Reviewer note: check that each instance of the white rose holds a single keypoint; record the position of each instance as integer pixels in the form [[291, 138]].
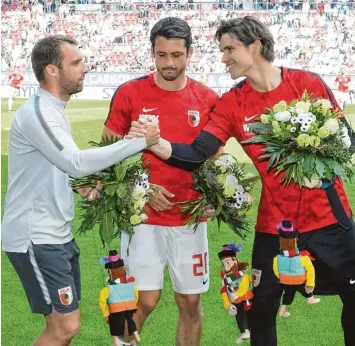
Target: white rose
[[282, 116], [345, 138], [231, 180], [325, 103], [302, 106], [144, 217], [248, 198], [332, 125], [138, 192]]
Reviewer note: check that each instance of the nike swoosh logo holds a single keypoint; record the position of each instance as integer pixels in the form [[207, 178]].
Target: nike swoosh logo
[[204, 282], [352, 282], [149, 109], [250, 118]]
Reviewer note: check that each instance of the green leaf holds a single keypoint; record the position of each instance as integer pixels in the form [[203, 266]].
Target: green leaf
[[132, 160], [120, 171], [308, 165], [121, 190], [220, 205], [320, 167], [110, 189], [256, 139], [106, 228]]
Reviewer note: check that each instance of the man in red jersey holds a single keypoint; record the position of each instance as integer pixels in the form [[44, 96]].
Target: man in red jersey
[[15, 80], [322, 215], [182, 106], [343, 81]]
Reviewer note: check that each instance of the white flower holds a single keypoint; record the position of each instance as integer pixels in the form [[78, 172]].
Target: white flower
[[293, 129], [282, 116], [302, 107], [223, 161], [248, 198], [345, 138], [313, 183], [325, 103], [143, 176], [144, 217], [294, 120], [332, 125], [138, 192], [231, 180]]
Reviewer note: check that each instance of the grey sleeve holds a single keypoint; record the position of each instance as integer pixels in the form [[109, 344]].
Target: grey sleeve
[[48, 137]]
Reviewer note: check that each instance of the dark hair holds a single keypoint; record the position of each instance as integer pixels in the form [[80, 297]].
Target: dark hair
[[172, 28], [48, 51], [248, 30]]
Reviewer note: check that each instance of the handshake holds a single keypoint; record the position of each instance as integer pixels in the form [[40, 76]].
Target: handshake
[[144, 128]]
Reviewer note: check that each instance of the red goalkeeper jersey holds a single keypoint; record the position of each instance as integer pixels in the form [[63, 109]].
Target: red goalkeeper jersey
[[182, 115], [308, 209]]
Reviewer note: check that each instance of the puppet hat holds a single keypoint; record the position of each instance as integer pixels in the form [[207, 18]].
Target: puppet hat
[[286, 230], [112, 261], [229, 250]]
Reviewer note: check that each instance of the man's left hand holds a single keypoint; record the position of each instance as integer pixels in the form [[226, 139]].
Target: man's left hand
[[90, 193]]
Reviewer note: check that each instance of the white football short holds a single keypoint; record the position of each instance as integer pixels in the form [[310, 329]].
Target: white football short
[[13, 92], [343, 98], [185, 253]]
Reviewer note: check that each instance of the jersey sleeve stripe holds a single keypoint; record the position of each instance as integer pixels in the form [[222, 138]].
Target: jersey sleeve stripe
[[45, 126]]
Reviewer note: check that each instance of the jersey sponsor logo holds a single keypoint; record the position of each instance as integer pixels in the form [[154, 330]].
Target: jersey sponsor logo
[[255, 277], [65, 295], [149, 117], [250, 118], [204, 282], [193, 118], [145, 110]]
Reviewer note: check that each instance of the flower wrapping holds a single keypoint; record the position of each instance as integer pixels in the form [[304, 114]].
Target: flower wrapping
[[305, 140], [222, 182], [124, 194]]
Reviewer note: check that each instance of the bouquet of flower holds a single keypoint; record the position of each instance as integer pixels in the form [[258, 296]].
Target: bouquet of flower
[[306, 140], [222, 182], [124, 193]]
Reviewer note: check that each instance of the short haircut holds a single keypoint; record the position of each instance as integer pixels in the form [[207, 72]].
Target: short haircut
[[172, 28], [247, 30], [48, 51]]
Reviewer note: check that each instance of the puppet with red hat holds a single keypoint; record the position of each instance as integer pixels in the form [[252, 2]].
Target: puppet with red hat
[[118, 300], [293, 268]]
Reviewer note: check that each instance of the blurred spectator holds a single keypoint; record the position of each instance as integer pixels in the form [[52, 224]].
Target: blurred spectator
[[119, 41]]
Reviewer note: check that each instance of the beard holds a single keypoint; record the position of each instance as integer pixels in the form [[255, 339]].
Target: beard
[[70, 87], [233, 270], [172, 76]]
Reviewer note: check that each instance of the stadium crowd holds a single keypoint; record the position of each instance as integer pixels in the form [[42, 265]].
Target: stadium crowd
[[321, 40]]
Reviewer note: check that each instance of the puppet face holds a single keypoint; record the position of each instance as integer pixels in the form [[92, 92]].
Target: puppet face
[[230, 264], [117, 273], [288, 244]]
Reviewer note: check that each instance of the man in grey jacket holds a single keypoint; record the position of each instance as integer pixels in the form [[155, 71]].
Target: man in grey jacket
[[39, 205]]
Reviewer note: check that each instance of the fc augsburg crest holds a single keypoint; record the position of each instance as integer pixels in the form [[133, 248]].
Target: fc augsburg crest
[[193, 118]]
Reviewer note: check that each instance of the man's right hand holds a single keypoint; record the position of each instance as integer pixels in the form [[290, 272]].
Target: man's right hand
[[232, 310], [158, 198], [138, 129], [153, 135]]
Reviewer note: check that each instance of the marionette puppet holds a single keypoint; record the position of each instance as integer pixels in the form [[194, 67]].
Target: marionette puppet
[[293, 268], [118, 300], [237, 288]]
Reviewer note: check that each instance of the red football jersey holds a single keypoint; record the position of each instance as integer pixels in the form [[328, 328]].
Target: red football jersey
[[343, 83], [182, 115], [307, 209], [16, 80]]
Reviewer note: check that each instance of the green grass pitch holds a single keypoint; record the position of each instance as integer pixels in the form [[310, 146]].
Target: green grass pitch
[[317, 325]]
